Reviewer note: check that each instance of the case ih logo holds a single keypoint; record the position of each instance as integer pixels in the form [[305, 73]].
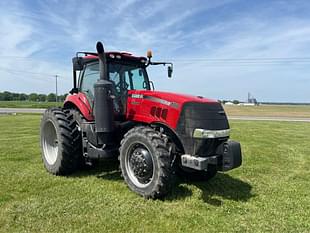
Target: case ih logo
[[136, 96], [155, 99]]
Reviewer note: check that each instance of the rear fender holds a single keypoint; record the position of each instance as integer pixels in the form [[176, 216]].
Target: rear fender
[[80, 102]]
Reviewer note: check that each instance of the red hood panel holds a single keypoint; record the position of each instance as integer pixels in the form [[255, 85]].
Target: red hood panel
[[173, 97], [156, 106]]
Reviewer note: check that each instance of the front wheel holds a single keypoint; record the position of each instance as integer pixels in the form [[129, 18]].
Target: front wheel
[[145, 162]]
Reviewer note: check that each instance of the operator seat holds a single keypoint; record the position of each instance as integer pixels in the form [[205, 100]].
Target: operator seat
[[118, 103]]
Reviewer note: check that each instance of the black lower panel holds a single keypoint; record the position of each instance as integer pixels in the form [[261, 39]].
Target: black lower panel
[[231, 157], [194, 115], [226, 157]]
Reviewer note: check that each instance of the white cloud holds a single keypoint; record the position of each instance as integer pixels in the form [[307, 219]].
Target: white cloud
[[50, 33], [19, 70]]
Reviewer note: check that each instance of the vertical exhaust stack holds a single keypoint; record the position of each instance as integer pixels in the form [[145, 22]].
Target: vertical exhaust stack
[[103, 105]]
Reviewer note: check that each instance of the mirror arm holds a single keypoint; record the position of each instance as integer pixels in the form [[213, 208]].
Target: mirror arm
[[171, 64], [160, 63], [152, 85]]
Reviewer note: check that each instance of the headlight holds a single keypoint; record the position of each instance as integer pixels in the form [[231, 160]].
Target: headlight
[[204, 133]]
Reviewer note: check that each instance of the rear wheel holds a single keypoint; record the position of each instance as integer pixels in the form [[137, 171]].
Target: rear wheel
[[145, 162], [79, 119], [60, 141]]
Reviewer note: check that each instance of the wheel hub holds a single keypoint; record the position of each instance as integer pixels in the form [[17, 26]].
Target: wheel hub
[[141, 165]]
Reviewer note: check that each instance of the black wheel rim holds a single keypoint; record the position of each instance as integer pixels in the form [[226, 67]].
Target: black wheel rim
[[139, 165]]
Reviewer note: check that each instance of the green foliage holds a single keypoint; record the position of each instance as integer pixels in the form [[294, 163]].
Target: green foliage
[[33, 97], [28, 104], [269, 193], [6, 96], [42, 97], [51, 97], [22, 97]]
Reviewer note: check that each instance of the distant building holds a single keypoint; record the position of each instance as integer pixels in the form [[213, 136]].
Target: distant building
[[251, 100]]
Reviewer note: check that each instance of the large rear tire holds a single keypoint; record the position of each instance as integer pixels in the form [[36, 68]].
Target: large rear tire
[[145, 162], [79, 119], [60, 142], [84, 163]]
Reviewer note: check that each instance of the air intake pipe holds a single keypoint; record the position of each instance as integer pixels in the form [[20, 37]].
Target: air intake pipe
[[103, 103]]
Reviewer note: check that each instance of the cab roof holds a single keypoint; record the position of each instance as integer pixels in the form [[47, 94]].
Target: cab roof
[[88, 56]]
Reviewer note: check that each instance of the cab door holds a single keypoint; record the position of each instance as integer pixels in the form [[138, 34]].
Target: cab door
[[88, 78]]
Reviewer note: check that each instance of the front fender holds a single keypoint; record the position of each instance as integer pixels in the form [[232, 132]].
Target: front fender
[[80, 102]]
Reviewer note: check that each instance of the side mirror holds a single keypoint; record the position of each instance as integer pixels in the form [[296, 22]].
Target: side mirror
[[170, 70], [78, 63]]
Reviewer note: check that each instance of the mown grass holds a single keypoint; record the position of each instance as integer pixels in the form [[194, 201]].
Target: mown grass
[[302, 111], [269, 193], [28, 104]]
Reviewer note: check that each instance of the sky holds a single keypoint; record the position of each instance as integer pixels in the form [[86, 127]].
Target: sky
[[220, 49]]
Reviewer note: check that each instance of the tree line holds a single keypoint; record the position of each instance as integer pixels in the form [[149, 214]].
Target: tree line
[[35, 97]]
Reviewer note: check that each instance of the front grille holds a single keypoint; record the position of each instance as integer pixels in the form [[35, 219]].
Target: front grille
[[209, 116]]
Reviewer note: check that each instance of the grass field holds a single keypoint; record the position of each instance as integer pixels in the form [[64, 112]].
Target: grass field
[[269, 193], [302, 111]]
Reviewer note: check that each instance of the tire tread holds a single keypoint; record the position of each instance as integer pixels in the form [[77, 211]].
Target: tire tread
[[163, 184]]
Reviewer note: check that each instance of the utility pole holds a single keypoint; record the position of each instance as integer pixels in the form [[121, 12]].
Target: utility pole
[[56, 76]]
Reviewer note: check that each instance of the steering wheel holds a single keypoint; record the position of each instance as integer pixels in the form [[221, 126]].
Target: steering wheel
[[126, 85]]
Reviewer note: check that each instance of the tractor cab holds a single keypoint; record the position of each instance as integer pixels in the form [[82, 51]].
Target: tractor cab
[[124, 71]]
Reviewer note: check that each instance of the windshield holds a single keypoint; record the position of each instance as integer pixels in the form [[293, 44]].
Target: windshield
[[123, 76], [128, 77]]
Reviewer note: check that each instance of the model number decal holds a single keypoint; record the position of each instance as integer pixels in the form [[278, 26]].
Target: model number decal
[[162, 101]]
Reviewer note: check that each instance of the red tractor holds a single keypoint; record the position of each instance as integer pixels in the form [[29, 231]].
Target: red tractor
[[112, 110]]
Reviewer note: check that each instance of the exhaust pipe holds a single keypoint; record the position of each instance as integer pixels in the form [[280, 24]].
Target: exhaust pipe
[[103, 103], [102, 61]]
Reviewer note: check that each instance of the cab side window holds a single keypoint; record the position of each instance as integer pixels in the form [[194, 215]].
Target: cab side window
[[90, 77], [135, 79], [114, 77]]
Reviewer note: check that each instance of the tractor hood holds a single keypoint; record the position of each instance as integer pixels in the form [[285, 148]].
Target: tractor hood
[[167, 108], [182, 113], [166, 98]]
